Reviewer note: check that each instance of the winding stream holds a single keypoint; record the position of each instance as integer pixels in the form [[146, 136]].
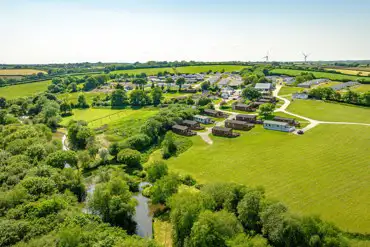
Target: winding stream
[[142, 216]]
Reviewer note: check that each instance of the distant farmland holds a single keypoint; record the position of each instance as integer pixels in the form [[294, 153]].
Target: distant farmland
[[185, 69], [19, 72], [23, 90], [351, 72], [327, 75]]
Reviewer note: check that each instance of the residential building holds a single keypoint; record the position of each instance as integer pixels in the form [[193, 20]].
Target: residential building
[[194, 125], [299, 96], [183, 130], [238, 125], [279, 126], [225, 132], [203, 119], [290, 121], [263, 87], [246, 118]]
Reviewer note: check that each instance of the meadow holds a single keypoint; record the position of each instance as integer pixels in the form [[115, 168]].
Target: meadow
[[73, 97], [327, 75], [185, 69], [351, 72], [290, 90], [323, 172], [361, 88], [19, 72], [336, 112], [24, 90]]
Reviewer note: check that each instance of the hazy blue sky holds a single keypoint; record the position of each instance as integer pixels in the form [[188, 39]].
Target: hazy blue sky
[[50, 31]]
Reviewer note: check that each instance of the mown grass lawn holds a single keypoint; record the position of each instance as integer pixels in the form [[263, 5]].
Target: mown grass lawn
[[327, 75], [290, 90], [24, 90], [324, 111], [323, 172]]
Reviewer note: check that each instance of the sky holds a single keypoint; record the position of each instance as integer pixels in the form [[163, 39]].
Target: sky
[[63, 31]]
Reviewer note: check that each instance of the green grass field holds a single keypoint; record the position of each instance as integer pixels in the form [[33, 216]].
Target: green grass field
[[206, 68], [185, 69], [323, 172], [290, 90], [320, 110], [350, 72], [330, 76], [24, 90], [20, 72], [329, 84], [362, 88], [72, 97]]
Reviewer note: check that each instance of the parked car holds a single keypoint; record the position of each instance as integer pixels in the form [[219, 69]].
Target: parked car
[[300, 132]]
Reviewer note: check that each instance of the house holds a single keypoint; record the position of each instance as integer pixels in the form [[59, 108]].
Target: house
[[263, 87], [271, 99], [225, 132], [279, 126], [238, 125], [194, 125], [290, 121], [308, 84], [264, 101], [257, 104], [214, 113], [299, 96], [246, 118], [345, 85], [183, 130], [243, 107], [203, 119]]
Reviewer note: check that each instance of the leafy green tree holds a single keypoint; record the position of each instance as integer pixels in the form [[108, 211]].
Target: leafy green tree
[[119, 98], [38, 186], [249, 208], [204, 101], [251, 93], [169, 82], [36, 152], [129, 157], [156, 170], [157, 95], [66, 108], [205, 85], [72, 87], [58, 159], [214, 229], [169, 147], [139, 82], [2, 102], [242, 240], [139, 98], [266, 110], [164, 187], [81, 101], [114, 203], [90, 84], [180, 81], [79, 135]]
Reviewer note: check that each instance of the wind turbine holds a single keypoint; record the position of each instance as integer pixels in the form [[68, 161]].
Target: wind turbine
[[266, 57], [305, 56]]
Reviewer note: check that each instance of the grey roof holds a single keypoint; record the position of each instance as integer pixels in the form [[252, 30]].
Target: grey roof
[[274, 122], [242, 105], [277, 118], [201, 117], [247, 116], [222, 128], [210, 111], [313, 82], [238, 122], [190, 122], [179, 127], [263, 86], [345, 85]]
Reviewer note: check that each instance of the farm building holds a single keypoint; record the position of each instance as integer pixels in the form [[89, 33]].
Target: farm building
[[290, 121], [183, 130], [246, 118], [194, 125], [214, 113], [299, 96], [263, 87], [225, 132], [279, 126], [203, 119], [308, 84], [289, 80], [243, 107], [238, 125], [345, 85]]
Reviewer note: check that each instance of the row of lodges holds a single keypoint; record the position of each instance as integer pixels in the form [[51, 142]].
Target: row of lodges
[[253, 106], [241, 122], [187, 128]]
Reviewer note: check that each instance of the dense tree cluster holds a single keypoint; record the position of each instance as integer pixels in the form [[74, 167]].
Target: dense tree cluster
[[70, 83], [350, 97]]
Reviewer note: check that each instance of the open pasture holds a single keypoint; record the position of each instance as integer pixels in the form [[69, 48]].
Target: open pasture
[[24, 90], [361, 88], [335, 112], [19, 72], [290, 90], [206, 68], [323, 172], [73, 97], [351, 72], [327, 75], [149, 71]]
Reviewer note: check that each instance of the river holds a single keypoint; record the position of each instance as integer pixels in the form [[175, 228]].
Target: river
[[142, 216]]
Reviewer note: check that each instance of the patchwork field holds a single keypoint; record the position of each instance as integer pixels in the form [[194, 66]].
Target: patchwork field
[[320, 110], [23, 90], [351, 72], [18, 72], [323, 172], [185, 69], [330, 76]]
